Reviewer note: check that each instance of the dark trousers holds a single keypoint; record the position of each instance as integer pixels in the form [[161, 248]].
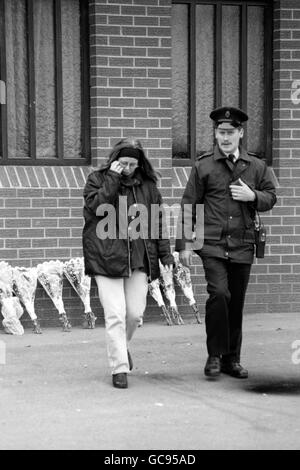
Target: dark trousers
[[226, 285]]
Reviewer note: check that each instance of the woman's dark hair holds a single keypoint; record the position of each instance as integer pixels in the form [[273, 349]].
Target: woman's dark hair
[[144, 167]]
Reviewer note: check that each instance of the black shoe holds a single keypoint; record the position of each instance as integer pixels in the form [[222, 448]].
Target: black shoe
[[130, 363], [120, 380], [234, 369], [212, 366]]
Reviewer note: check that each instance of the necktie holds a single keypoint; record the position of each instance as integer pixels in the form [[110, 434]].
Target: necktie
[[231, 157]]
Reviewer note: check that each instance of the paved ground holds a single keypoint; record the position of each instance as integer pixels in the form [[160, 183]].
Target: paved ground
[[56, 391]]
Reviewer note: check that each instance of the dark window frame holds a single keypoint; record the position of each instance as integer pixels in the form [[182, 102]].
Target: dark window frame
[[33, 160], [268, 51]]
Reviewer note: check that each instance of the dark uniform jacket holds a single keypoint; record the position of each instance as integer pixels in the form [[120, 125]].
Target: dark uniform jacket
[[111, 256], [228, 224]]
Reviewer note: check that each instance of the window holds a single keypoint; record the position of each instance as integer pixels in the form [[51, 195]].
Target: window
[[44, 82], [222, 55]]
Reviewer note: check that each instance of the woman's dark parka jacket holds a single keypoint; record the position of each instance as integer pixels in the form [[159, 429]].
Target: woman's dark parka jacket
[[111, 256]]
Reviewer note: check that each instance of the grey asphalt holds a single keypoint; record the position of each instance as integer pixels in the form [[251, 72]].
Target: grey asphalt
[[56, 392]]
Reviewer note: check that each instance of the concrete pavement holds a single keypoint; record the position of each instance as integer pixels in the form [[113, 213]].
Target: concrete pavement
[[56, 393]]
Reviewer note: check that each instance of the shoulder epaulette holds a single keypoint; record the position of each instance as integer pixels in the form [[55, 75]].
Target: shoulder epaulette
[[253, 154], [204, 154]]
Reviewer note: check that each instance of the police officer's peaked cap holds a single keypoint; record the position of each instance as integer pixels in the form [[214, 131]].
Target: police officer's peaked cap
[[233, 116]]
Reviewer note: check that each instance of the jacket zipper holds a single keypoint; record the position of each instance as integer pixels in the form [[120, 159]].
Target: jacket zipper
[[128, 248], [128, 245], [147, 254]]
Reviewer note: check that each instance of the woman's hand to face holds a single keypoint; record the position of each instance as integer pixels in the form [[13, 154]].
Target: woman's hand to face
[[116, 167]]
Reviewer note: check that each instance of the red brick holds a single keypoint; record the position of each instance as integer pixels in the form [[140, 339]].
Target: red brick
[[147, 42], [280, 268], [57, 212], [70, 202], [45, 243], [5, 255], [57, 253], [100, 8], [69, 242], [8, 233], [71, 222], [17, 223], [31, 253], [44, 202], [31, 233], [58, 232], [146, 21], [133, 10]]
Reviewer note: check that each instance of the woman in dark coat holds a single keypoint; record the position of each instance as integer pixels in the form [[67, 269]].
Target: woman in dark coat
[[124, 237]]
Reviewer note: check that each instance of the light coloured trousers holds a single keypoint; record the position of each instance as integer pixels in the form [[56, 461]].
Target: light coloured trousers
[[124, 302]]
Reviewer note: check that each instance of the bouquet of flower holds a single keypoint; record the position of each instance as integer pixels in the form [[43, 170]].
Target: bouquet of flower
[[155, 292], [74, 272], [12, 311], [182, 278], [10, 306], [50, 276], [24, 287], [6, 275], [167, 283]]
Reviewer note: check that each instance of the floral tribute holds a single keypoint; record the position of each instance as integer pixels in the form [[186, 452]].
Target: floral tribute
[[182, 277], [81, 283], [11, 308], [18, 287], [24, 287], [50, 276], [155, 292], [167, 282]]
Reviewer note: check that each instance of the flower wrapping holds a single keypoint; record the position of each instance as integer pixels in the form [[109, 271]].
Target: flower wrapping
[[155, 292], [167, 283], [182, 276], [24, 286], [74, 272], [6, 277], [50, 276], [11, 310]]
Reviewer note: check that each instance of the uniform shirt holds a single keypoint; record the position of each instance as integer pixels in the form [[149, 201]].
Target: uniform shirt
[[236, 154]]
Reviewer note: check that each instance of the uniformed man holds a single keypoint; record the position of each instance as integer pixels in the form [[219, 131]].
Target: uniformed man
[[231, 183]]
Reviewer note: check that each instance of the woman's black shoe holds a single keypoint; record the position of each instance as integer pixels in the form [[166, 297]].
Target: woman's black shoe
[[120, 380]]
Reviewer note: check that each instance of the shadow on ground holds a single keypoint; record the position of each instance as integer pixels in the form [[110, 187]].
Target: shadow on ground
[[275, 385]]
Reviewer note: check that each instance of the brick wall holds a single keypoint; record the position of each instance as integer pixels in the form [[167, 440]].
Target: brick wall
[[283, 271]]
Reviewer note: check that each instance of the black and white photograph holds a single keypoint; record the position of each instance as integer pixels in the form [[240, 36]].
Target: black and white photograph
[[150, 227]]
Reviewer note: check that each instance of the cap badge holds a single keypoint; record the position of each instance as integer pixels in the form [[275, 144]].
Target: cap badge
[[227, 114]]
